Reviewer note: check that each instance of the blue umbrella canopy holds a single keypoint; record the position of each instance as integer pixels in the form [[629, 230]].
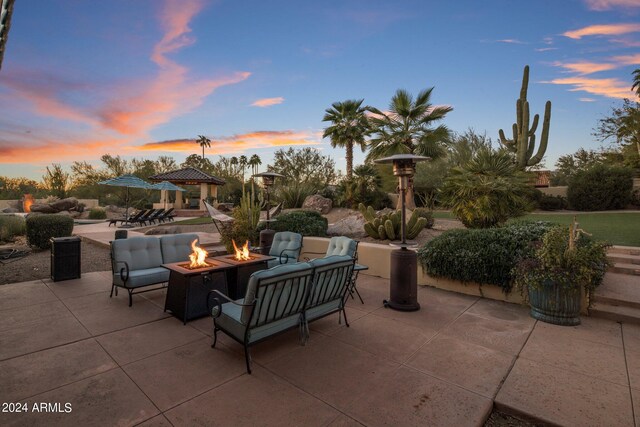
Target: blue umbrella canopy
[[166, 185], [129, 181]]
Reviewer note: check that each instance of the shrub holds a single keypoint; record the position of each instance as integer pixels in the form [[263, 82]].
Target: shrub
[[485, 256], [10, 227], [552, 203], [601, 187], [635, 198], [425, 213], [307, 223], [97, 213], [41, 228], [293, 195]]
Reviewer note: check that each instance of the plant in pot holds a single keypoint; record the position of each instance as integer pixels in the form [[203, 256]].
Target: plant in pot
[[554, 273]]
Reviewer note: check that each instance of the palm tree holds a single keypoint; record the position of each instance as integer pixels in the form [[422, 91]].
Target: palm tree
[[636, 81], [203, 141], [349, 127], [255, 163], [407, 129]]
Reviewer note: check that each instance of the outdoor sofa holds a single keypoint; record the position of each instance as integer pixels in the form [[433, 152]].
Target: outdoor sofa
[[136, 262]]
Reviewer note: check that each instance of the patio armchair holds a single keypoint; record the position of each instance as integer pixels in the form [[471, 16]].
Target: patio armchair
[[273, 303], [285, 247]]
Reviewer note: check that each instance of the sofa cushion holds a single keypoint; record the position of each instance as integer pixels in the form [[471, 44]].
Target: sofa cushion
[[342, 246], [292, 279], [177, 247], [145, 277], [285, 247], [139, 252]]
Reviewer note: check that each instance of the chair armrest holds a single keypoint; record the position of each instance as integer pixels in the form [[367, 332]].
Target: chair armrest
[[216, 310], [286, 257], [124, 272]]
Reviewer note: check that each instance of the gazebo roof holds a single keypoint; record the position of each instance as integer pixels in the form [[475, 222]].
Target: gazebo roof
[[187, 176]]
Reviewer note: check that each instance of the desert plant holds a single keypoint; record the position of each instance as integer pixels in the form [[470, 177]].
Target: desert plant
[[487, 190], [485, 256], [97, 213], [307, 223], [600, 187], [42, 227], [293, 194], [524, 137], [11, 226], [426, 214], [245, 224], [388, 226]]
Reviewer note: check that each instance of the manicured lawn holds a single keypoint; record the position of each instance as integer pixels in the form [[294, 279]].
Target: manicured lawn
[[195, 221]]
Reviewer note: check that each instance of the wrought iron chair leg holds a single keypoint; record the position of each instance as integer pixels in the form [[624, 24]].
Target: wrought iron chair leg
[[111, 294], [344, 313], [247, 358], [130, 297], [357, 293], [215, 337]]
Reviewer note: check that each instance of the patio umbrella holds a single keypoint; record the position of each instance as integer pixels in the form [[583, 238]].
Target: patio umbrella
[[128, 181], [166, 185]]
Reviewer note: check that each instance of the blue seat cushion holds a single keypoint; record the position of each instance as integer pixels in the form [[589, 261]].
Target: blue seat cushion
[[230, 321], [148, 276], [342, 246]]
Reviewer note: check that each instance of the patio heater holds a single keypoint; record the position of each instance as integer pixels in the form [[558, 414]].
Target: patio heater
[[404, 262], [266, 235]]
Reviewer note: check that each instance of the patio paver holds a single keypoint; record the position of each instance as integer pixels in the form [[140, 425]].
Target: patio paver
[[23, 294]]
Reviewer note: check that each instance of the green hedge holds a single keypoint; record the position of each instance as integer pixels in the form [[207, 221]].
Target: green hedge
[[485, 256], [307, 223], [42, 227], [10, 227], [600, 188], [97, 213]]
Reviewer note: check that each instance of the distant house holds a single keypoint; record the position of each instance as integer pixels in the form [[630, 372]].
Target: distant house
[[542, 179]]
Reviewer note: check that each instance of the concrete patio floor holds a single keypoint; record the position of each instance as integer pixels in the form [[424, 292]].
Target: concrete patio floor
[[447, 364]]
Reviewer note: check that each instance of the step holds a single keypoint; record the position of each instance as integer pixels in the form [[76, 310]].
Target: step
[[624, 268], [616, 313], [619, 289], [628, 250], [624, 258]]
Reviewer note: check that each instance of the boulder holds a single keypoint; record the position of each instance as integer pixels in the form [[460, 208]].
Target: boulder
[[318, 203], [68, 204], [164, 230], [351, 226], [10, 210], [43, 208]]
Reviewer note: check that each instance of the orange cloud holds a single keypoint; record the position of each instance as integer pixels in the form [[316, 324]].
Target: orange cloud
[[237, 143], [603, 30], [611, 88], [45, 150], [268, 102], [610, 4], [585, 67], [628, 59]]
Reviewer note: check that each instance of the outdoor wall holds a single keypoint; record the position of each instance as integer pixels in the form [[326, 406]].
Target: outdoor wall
[[562, 191], [377, 258], [89, 203]]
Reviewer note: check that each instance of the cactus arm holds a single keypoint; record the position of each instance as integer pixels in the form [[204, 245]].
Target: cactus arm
[[525, 83], [534, 125], [388, 228], [381, 233], [503, 140], [544, 137], [523, 126], [368, 228], [531, 147], [413, 232]]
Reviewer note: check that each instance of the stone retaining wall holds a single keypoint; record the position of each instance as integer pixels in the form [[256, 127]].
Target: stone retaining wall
[[89, 203]]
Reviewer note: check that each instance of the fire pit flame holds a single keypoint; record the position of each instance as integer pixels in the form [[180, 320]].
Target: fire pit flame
[[243, 253], [198, 256]]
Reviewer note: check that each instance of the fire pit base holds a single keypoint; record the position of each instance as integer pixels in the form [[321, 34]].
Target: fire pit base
[[403, 281]]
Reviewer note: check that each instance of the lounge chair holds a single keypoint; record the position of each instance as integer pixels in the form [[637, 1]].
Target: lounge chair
[[154, 217], [131, 220], [218, 218], [166, 216], [144, 218]]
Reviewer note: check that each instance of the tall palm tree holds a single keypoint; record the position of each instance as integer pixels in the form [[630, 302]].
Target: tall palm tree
[[407, 128], [636, 81], [203, 141], [349, 126], [255, 163]]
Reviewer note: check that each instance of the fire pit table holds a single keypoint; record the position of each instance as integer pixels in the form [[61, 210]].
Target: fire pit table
[[238, 276], [189, 286]]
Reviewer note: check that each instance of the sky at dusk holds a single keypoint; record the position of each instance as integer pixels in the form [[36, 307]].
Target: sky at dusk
[[143, 78]]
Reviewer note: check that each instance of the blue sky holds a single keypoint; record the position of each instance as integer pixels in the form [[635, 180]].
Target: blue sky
[[144, 78]]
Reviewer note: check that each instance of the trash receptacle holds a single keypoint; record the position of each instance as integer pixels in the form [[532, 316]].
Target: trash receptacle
[[65, 258]]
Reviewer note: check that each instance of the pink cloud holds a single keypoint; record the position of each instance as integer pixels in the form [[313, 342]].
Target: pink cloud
[[268, 102], [628, 59], [585, 67], [611, 4], [237, 143], [603, 30], [610, 88]]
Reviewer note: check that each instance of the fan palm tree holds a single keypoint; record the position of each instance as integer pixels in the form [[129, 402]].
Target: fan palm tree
[[407, 128], [636, 81], [203, 141], [254, 162], [349, 126]]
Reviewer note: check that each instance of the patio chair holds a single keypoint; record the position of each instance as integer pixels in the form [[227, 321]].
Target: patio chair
[[154, 217], [285, 247], [218, 218], [130, 220], [166, 216], [144, 218]]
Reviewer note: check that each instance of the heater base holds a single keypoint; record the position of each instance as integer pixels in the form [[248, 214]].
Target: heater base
[[403, 281]]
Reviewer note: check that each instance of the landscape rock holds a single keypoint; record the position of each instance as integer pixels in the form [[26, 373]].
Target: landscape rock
[[68, 204], [10, 210], [43, 208], [318, 203], [163, 230], [351, 226]]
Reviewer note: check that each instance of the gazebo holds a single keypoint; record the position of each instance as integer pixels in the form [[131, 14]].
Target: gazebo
[[189, 176]]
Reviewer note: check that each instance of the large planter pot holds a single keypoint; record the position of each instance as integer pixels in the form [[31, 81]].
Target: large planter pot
[[553, 304]]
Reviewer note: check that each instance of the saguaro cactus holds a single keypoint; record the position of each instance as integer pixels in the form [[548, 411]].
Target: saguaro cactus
[[524, 138]]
